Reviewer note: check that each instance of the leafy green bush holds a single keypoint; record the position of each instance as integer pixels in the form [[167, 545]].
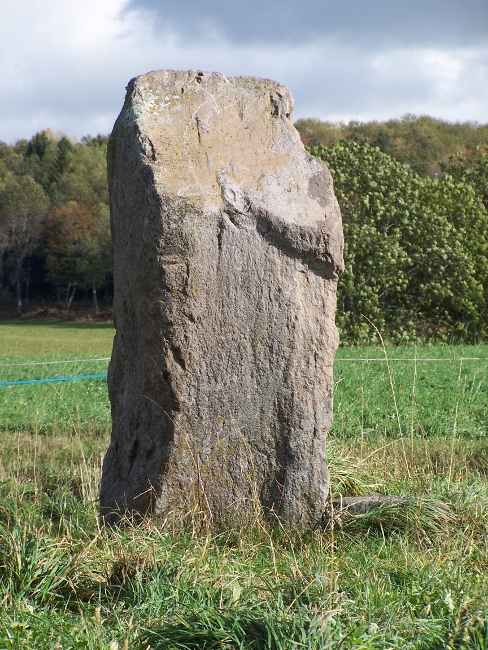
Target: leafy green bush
[[415, 248]]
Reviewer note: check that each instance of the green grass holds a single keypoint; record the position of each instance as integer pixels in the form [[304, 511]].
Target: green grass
[[411, 397], [60, 407], [66, 584], [25, 339], [400, 578]]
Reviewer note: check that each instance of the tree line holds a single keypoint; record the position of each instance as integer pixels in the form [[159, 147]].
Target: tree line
[[54, 220], [423, 142], [414, 200]]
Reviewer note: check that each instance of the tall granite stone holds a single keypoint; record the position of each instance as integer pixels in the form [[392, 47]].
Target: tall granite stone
[[228, 247]]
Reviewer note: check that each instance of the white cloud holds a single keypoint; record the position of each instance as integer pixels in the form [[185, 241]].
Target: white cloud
[[442, 83], [64, 65]]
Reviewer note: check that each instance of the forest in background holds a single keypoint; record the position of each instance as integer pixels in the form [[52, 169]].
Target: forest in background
[[55, 240], [413, 194], [423, 142]]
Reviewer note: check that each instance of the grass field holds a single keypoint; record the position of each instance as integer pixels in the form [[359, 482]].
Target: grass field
[[406, 577], [423, 391], [24, 339], [46, 350]]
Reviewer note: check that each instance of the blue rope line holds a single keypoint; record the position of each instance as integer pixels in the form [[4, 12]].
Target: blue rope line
[[43, 381], [53, 379]]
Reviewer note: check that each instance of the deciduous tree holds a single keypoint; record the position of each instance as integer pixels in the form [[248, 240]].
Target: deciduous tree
[[23, 207], [416, 249], [78, 248]]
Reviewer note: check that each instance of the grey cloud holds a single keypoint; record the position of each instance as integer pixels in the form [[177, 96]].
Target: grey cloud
[[331, 77], [451, 23]]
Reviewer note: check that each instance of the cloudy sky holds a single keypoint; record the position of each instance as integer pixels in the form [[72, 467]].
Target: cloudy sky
[[64, 64]]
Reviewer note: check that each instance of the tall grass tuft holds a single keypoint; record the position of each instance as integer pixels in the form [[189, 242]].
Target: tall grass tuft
[[410, 575]]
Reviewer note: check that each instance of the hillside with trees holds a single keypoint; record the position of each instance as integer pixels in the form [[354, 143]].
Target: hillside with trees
[[423, 142], [414, 199]]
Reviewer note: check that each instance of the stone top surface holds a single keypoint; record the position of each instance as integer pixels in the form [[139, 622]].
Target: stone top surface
[[192, 126]]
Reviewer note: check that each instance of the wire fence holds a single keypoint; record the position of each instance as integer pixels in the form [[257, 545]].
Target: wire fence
[[48, 363], [414, 359], [430, 395], [20, 382], [338, 360]]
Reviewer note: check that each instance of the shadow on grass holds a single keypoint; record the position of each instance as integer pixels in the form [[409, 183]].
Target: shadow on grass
[[57, 324], [239, 629]]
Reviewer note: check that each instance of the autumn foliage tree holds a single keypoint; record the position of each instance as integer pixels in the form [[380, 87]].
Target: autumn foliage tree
[[78, 248]]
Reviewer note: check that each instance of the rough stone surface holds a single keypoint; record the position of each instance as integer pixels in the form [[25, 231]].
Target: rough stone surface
[[228, 247]]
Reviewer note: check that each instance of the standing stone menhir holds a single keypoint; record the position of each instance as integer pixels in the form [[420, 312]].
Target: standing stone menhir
[[228, 246]]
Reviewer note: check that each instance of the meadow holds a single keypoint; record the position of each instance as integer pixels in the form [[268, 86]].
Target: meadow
[[410, 575]]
